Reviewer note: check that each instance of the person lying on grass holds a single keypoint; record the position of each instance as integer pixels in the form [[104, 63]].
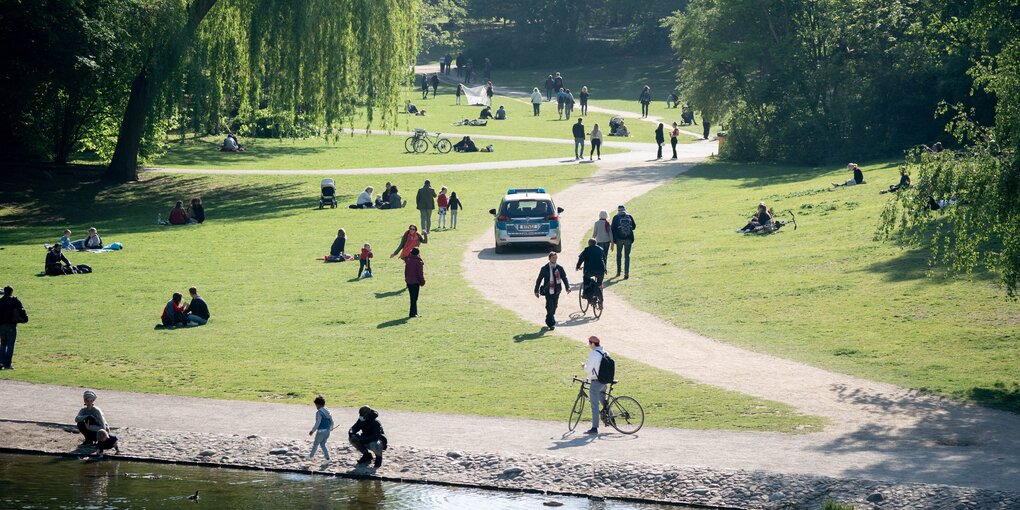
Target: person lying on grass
[[760, 219], [858, 177]]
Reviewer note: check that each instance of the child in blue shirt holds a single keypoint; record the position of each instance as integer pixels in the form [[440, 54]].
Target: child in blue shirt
[[323, 426]]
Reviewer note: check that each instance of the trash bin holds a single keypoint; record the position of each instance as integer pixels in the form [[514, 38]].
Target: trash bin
[[722, 139]]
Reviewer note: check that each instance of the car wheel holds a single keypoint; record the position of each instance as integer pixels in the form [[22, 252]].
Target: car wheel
[[500, 248], [557, 247]]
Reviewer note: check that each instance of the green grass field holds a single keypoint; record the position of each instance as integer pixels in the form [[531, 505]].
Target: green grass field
[[826, 294], [347, 151], [619, 78], [286, 326]]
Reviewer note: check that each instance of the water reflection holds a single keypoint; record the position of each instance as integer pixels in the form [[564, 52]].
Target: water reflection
[[30, 482]]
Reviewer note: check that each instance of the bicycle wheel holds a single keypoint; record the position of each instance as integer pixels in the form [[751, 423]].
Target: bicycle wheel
[[444, 146], [596, 306], [581, 301], [421, 146], [577, 411], [409, 144], [626, 415]]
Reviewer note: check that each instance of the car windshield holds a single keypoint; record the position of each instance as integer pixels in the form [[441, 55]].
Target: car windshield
[[527, 208]]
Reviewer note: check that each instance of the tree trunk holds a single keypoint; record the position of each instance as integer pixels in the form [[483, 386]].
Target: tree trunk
[[124, 165]]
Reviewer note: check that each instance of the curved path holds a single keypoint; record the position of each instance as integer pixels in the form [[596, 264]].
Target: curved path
[[876, 431]]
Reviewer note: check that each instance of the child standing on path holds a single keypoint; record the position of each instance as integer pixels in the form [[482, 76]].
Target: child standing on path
[[365, 261], [443, 203], [455, 206], [321, 429]]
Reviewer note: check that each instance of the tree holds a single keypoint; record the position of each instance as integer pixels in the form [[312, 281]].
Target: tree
[[319, 60]]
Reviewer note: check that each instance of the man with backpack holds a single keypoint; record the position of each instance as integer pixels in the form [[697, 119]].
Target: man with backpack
[[12, 313], [623, 227], [600, 370]]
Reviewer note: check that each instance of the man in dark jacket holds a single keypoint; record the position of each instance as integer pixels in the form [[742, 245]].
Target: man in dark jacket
[[623, 227], [414, 277], [426, 203], [12, 313], [198, 309], [552, 279], [56, 263], [578, 139], [549, 86], [367, 435], [592, 260], [435, 84]]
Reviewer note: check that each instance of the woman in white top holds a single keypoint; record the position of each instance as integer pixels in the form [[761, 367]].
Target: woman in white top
[[603, 234], [596, 142], [364, 199], [536, 100]]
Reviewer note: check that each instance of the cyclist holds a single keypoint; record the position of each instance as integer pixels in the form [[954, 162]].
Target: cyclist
[[594, 262], [596, 390]]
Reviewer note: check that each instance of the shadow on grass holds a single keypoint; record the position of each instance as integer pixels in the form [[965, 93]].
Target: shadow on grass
[[997, 397], [763, 174], [523, 337], [383, 295], [912, 264], [81, 200], [208, 154], [394, 322]]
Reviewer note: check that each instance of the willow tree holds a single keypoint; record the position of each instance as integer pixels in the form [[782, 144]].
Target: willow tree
[[320, 60]]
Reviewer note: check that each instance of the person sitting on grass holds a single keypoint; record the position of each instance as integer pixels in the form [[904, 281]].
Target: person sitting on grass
[[197, 310], [65, 241], [337, 249], [367, 435], [178, 216], [760, 219], [903, 184], [196, 212], [395, 200], [92, 241], [413, 110], [56, 263], [364, 199], [486, 113], [173, 312], [93, 426], [501, 113], [858, 177], [465, 145], [230, 144]]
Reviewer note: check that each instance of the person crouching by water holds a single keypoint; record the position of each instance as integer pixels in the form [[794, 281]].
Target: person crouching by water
[[323, 426], [367, 436], [92, 424]]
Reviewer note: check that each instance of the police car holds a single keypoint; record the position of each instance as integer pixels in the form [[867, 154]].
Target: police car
[[527, 216]]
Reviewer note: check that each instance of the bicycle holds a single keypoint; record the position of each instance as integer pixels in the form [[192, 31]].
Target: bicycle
[[419, 142], [590, 296], [623, 413]]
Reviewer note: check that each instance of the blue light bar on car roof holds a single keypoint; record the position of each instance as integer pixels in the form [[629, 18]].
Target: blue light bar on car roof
[[513, 191]]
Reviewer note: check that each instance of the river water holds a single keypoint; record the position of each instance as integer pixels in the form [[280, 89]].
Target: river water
[[33, 481]]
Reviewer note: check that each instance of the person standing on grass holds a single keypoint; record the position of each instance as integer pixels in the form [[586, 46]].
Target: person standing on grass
[[426, 203], [561, 99], [414, 277], [460, 90], [568, 104], [424, 86], [93, 426], [596, 389], [550, 85], [197, 310], [623, 227], [552, 280], [602, 232], [12, 313], [596, 142], [323, 426], [646, 99], [409, 241], [660, 140], [536, 101], [435, 85], [578, 139], [673, 135], [584, 100], [365, 261], [488, 93], [443, 203], [455, 206]]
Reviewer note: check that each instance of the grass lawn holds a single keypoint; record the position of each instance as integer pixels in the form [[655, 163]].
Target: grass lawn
[[616, 78], [826, 294], [348, 151], [285, 326]]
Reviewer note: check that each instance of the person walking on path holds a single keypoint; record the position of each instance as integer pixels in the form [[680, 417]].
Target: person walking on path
[[561, 99], [449, 63], [645, 99], [578, 139], [596, 142], [460, 65], [568, 104], [602, 232], [673, 135], [596, 389], [584, 100], [552, 280], [558, 82], [323, 426], [409, 241], [94, 427], [455, 206], [12, 313], [550, 85], [424, 86], [623, 227], [660, 140], [435, 85], [426, 203], [197, 310], [536, 101], [442, 64], [367, 435], [414, 277]]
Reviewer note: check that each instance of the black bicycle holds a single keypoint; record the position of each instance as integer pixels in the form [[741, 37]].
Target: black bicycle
[[420, 141], [590, 297], [623, 413]]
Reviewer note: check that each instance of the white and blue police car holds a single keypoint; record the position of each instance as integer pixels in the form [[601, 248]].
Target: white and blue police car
[[527, 216]]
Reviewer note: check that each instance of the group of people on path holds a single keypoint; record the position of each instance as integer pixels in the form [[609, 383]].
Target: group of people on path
[[579, 137]]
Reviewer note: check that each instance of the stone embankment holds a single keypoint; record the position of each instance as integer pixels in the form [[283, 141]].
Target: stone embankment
[[533, 473]]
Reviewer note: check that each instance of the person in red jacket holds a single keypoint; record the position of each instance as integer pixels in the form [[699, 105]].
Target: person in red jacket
[[414, 276], [178, 215]]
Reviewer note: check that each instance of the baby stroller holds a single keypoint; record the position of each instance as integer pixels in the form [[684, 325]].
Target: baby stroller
[[328, 194]]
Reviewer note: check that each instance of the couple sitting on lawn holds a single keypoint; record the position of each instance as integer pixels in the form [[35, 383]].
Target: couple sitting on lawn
[[390, 199], [91, 242], [195, 213], [195, 313]]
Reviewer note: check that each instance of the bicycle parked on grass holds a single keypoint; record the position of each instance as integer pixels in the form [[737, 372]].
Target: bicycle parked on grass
[[590, 297], [420, 141], [623, 413]]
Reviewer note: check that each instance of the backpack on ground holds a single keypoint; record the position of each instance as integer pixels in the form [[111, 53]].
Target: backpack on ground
[[626, 226], [607, 369]]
